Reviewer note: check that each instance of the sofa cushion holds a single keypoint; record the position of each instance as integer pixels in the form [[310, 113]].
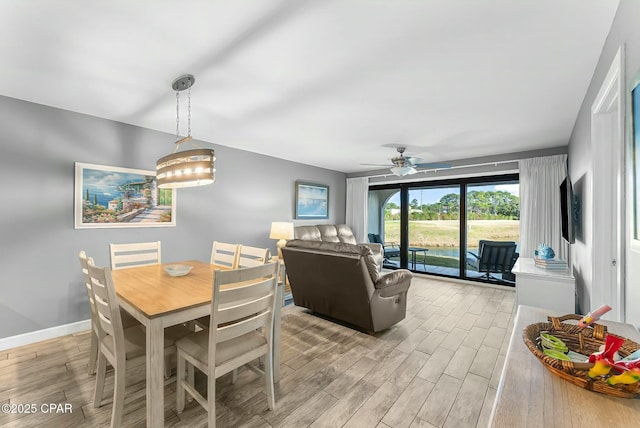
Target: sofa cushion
[[308, 233], [345, 234], [328, 232], [336, 247]]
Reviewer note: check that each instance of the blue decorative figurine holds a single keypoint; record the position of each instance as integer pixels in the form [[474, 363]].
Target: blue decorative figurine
[[544, 252]]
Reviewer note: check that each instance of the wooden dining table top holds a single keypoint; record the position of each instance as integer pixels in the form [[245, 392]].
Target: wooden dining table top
[[155, 293]]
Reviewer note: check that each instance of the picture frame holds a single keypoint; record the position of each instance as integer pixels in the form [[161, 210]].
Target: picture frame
[[634, 136], [311, 201], [115, 197]]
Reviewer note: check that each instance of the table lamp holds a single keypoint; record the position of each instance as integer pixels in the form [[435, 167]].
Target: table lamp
[[281, 230]]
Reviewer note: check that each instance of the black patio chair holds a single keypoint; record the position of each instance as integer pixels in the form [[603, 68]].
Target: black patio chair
[[494, 257], [391, 249]]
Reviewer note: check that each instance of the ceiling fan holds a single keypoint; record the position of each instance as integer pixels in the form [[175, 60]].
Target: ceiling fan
[[406, 165]]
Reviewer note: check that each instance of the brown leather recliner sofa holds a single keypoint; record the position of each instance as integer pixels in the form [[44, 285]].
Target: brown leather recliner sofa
[[343, 281]]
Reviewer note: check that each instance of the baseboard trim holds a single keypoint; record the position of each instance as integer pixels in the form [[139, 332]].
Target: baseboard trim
[[40, 335]]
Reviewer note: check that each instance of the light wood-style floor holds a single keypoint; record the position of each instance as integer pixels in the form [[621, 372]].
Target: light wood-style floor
[[438, 368]]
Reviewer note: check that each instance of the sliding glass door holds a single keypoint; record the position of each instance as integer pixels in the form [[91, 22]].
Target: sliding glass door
[[493, 220], [441, 227], [434, 230]]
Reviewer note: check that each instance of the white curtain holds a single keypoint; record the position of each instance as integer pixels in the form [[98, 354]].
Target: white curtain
[[540, 218], [357, 204]]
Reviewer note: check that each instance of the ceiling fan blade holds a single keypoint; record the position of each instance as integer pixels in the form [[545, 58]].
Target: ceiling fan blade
[[377, 164], [434, 165], [413, 159]]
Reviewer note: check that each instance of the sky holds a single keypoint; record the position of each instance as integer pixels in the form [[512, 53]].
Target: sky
[[429, 196]]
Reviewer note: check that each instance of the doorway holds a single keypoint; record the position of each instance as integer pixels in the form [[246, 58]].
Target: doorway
[[607, 138]]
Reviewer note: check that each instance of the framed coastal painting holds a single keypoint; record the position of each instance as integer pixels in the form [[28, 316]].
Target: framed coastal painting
[[312, 201], [111, 197]]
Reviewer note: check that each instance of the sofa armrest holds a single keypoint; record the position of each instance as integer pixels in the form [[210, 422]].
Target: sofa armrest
[[393, 283], [375, 248]]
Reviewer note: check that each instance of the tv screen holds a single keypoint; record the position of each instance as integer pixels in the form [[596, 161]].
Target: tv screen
[[566, 208]]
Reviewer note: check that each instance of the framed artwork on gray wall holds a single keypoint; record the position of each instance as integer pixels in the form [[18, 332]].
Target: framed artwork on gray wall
[[109, 196], [312, 201]]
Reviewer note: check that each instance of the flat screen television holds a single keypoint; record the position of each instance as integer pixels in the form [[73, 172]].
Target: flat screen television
[[567, 209]]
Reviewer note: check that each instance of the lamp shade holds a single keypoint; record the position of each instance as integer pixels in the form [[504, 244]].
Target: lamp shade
[[186, 169], [281, 230]]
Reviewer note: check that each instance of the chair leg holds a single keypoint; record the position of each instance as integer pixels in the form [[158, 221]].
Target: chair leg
[[167, 368], [191, 378], [180, 374], [211, 397], [234, 376], [118, 393], [268, 374], [93, 352], [100, 374]]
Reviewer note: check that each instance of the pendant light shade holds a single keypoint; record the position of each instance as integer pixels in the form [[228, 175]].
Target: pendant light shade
[[187, 168]]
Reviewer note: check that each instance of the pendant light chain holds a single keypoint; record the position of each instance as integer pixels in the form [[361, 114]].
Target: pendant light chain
[[177, 115], [189, 112]]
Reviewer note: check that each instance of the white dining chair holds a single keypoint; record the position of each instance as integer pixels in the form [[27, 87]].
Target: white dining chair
[[135, 254], [252, 256], [242, 307], [127, 320], [224, 254], [117, 345]]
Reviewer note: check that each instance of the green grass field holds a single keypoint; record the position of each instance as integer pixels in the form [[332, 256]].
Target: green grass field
[[446, 233]]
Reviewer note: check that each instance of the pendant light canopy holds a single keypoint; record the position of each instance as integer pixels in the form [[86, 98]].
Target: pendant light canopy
[[187, 168]]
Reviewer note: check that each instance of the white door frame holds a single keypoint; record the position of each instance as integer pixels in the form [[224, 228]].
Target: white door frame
[[607, 148]]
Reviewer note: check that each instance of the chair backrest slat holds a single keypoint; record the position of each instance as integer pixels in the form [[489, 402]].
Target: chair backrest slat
[[240, 292], [239, 328], [252, 256], [136, 254], [223, 254], [232, 312]]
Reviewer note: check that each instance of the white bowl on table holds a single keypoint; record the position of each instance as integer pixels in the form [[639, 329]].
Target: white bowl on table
[[178, 270]]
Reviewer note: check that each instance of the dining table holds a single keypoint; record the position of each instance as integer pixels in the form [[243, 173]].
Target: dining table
[[158, 300]]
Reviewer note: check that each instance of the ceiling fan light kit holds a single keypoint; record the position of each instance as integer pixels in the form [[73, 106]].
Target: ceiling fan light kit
[[401, 171], [188, 168]]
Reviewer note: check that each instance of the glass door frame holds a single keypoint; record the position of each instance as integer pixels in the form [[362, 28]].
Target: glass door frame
[[462, 182]]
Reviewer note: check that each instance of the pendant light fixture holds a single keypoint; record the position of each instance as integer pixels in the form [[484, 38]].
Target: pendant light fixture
[[188, 168]]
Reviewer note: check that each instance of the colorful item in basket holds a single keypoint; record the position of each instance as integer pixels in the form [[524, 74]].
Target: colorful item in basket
[[558, 355], [628, 377], [549, 341], [576, 357], [593, 316], [603, 360], [611, 345], [632, 356], [624, 365], [600, 368]]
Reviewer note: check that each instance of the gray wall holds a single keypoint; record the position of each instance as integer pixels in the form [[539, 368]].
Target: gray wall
[[624, 30], [39, 271]]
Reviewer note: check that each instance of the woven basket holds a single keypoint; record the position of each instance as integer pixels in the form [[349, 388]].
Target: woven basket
[[584, 341]]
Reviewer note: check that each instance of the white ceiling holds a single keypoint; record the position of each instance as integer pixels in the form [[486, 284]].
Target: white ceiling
[[332, 83]]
